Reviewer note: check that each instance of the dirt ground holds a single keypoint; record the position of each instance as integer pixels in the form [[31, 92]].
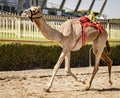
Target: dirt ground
[[30, 84]]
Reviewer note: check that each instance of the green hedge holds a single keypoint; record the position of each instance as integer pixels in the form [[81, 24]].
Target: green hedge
[[28, 56]]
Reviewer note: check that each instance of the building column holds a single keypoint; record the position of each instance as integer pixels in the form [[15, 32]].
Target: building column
[[91, 6], [77, 6], [44, 2], [102, 8], [62, 4]]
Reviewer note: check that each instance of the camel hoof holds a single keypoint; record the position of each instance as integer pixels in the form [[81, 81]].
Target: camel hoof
[[46, 90], [81, 80], [110, 83], [87, 88]]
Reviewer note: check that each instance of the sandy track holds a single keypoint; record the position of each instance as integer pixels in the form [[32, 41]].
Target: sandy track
[[30, 84]]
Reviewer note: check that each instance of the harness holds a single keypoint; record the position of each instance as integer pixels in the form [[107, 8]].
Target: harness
[[32, 14]]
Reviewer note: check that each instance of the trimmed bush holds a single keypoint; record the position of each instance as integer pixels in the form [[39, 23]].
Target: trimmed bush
[[28, 56], [23, 56], [115, 55]]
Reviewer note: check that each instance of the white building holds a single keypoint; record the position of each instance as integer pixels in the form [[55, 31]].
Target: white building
[[20, 5]]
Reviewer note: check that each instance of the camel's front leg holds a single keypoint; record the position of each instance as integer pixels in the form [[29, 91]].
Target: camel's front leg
[[68, 70], [57, 66]]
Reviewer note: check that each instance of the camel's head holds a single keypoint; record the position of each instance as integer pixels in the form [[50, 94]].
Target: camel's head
[[33, 13]]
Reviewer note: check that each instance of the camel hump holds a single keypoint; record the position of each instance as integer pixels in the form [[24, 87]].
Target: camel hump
[[66, 28]]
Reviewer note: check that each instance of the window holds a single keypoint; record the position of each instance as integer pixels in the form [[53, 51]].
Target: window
[[32, 2], [37, 2]]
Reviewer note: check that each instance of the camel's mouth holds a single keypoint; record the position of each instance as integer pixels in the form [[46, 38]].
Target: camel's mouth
[[24, 15]]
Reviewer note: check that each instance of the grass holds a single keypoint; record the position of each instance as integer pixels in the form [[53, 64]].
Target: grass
[[13, 36]]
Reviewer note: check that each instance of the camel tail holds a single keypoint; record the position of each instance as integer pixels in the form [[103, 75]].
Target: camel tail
[[108, 46]]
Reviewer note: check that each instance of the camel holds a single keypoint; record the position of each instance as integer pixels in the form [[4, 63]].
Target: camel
[[68, 36]]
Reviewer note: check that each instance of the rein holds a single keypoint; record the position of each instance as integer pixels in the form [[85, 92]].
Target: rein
[[32, 14]]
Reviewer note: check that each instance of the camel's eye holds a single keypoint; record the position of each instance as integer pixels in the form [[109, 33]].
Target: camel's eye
[[33, 11]]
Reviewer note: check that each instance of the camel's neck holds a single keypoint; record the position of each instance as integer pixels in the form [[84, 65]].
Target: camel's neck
[[47, 31]]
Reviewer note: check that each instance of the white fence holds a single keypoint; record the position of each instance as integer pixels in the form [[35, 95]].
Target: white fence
[[14, 27]]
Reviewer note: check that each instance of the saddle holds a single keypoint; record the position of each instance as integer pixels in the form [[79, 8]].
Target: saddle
[[85, 22]]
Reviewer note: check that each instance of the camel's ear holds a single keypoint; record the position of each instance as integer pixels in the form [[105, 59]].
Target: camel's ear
[[39, 7]]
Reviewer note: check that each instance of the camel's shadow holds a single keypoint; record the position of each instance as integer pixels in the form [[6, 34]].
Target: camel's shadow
[[105, 89], [92, 89]]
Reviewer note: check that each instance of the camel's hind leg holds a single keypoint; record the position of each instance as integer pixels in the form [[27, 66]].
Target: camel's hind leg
[[68, 70], [98, 47], [109, 62]]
